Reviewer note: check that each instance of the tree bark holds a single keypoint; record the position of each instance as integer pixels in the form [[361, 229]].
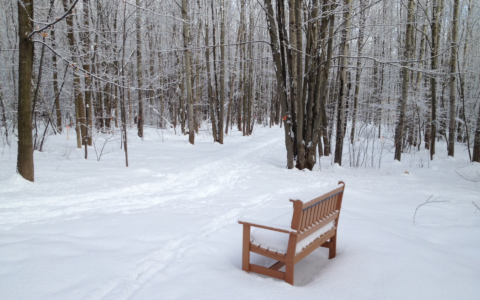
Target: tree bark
[[358, 72], [476, 142], [222, 73], [188, 71], [402, 103], [211, 99], [324, 87], [58, 110], [453, 76], [436, 19], [86, 67], [25, 65], [342, 85], [81, 124], [140, 121]]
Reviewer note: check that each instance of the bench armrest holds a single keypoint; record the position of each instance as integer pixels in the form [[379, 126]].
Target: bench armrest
[[266, 225]]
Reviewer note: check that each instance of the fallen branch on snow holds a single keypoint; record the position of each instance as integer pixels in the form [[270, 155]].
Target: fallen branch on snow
[[426, 202]]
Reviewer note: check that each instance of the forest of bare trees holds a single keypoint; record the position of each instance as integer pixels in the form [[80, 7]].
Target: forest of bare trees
[[331, 73]]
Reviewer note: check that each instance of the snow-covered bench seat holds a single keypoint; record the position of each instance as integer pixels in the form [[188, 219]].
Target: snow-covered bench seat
[[291, 237]]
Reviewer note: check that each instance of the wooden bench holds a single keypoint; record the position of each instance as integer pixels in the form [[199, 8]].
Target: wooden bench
[[313, 224]]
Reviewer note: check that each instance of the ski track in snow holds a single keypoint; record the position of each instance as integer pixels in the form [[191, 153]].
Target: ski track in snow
[[207, 179], [174, 249]]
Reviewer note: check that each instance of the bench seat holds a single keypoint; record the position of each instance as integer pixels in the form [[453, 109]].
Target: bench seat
[[277, 242]]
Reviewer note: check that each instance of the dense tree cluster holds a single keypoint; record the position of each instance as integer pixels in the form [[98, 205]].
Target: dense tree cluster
[[324, 70]]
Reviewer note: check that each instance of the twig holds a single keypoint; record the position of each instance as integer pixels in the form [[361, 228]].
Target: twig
[[473, 202], [426, 202], [99, 156], [54, 22], [464, 177]]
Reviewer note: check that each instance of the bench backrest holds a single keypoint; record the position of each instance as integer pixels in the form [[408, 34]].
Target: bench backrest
[[310, 216]]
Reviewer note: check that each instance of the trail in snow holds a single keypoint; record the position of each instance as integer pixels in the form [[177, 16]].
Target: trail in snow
[[166, 227]]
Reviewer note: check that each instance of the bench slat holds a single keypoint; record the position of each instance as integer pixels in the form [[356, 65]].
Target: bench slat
[[324, 197], [314, 219], [317, 226], [270, 254], [333, 201], [311, 220], [322, 211], [305, 219], [328, 207]]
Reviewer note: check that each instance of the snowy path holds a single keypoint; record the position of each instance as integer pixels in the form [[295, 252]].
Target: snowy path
[[166, 227]]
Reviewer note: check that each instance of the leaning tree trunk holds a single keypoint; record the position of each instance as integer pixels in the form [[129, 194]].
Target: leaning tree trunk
[[402, 105], [25, 64]]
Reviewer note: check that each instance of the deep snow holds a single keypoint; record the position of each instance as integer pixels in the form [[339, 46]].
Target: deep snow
[[166, 227]]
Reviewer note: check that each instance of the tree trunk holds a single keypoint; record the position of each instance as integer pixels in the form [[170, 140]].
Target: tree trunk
[[211, 99], [140, 119], [188, 71], [86, 67], [476, 143], [359, 69], [342, 84], [402, 103], [58, 111], [324, 86], [122, 91], [25, 64], [453, 70], [436, 19], [278, 54], [222, 72], [81, 124]]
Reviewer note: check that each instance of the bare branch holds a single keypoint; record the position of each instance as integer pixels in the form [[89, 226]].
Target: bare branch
[[54, 22]]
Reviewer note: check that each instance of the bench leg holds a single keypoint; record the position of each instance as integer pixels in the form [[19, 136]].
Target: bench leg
[[246, 248], [289, 263], [289, 272], [333, 247]]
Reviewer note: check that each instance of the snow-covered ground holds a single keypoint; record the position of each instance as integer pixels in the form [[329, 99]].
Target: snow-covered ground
[[166, 227]]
